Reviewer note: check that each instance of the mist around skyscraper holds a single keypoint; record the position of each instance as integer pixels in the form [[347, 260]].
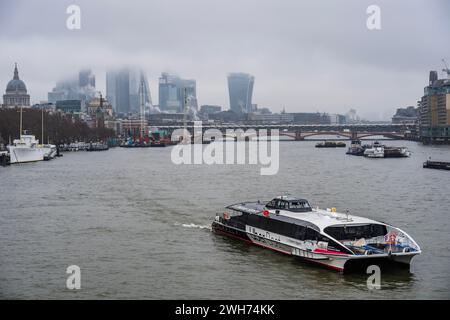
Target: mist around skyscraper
[[122, 90], [240, 88]]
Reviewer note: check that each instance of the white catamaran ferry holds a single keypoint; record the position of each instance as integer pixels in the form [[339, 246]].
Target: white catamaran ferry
[[336, 240]]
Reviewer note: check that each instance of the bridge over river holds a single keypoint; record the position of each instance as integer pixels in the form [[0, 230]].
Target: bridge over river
[[299, 132]]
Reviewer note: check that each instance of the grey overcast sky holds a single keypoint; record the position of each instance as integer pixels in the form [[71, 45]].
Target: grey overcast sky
[[306, 56]]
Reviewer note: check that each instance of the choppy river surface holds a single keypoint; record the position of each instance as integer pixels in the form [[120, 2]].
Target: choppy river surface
[[138, 225]]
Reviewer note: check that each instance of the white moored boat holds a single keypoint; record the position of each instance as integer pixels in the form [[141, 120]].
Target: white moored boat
[[335, 240], [376, 151], [25, 149], [49, 151]]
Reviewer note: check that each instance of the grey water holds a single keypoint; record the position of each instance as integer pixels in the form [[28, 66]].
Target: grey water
[[138, 226]]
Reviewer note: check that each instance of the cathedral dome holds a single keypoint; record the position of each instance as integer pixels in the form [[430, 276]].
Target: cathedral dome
[[16, 85], [16, 92]]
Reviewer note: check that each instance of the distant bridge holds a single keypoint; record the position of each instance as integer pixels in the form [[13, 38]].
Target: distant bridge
[[349, 135], [300, 132]]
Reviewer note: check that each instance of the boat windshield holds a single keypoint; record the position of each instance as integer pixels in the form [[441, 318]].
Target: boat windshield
[[299, 206], [353, 232], [374, 238], [296, 205]]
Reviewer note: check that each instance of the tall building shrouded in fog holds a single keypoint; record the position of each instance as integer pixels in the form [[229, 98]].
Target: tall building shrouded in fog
[[240, 88], [81, 88], [122, 90], [172, 93], [86, 78], [16, 92]]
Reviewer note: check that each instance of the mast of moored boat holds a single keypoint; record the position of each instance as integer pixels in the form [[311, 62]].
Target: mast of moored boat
[[42, 126], [20, 128]]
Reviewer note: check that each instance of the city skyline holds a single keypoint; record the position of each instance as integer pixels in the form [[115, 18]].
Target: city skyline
[[300, 63]]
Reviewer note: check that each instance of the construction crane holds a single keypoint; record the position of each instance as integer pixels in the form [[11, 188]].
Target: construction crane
[[446, 69]]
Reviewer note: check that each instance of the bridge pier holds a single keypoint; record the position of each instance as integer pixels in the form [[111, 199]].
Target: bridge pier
[[298, 136]]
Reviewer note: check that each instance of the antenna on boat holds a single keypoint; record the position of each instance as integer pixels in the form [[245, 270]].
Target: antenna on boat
[[20, 126]]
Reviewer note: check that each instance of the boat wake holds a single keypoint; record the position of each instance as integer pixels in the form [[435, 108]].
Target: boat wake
[[193, 225]]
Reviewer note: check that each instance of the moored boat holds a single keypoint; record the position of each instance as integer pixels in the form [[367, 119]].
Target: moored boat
[[442, 165], [4, 158], [49, 151], [335, 240], [396, 152], [157, 144], [355, 148], [97, 146], [25, 149], [331, 144], [375, 151]]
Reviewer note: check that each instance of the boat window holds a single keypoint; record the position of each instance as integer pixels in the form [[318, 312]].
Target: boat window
[[238, 216], [271, 204], [281, 204], [310, 234], [277, 204], [298, 232], [298, 205], [253, 220], [257, 221], [350, 232]]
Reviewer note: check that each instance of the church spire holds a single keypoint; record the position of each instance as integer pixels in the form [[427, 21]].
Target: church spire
[[16, 72]]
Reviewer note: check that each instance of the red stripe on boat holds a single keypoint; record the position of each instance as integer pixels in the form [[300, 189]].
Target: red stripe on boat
[[330, 252]]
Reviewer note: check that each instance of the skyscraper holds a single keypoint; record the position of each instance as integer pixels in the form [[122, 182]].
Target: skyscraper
[[240, 88], [172, 92], [122, 90], [75, 88], [86, 78]]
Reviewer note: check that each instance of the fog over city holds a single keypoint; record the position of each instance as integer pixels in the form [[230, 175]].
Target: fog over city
[[306, 56]]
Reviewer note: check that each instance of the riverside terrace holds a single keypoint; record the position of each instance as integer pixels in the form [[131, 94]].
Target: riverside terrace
[[301, 131]]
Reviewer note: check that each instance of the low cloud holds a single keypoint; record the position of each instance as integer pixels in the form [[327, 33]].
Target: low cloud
[[305, 55]]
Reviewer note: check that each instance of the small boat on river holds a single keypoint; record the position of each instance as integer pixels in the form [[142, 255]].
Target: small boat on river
[[442, 165], [331, 144]]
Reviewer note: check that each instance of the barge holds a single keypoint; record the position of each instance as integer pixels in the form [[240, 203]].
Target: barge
[[442, 165], [331, 144]]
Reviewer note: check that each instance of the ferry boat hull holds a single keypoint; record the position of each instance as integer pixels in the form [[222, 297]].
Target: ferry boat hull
[[330, 260], [396, 250]]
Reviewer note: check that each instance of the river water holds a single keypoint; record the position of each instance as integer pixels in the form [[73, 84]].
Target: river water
[[138, 225]]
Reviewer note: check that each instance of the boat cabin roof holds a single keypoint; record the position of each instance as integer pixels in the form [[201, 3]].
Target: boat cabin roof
[[289, 203], [318, 218]]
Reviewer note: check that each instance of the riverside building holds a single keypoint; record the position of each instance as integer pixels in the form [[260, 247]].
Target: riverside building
[[434, 110]]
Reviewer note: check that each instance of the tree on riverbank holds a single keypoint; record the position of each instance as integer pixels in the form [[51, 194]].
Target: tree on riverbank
[[58, 128]]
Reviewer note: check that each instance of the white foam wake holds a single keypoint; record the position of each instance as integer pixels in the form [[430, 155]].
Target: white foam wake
[[193, 225]]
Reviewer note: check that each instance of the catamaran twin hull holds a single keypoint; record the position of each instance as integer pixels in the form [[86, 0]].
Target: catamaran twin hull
[[312, 234]]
